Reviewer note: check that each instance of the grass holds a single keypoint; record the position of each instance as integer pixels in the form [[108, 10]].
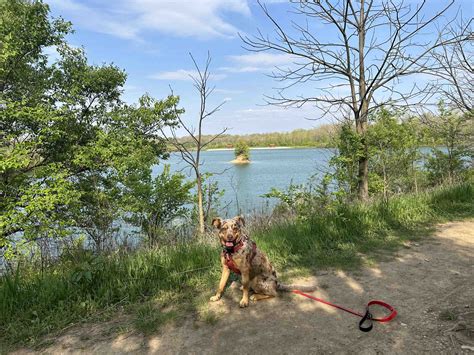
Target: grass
[[86, 287], [157, 286], [356, 234]]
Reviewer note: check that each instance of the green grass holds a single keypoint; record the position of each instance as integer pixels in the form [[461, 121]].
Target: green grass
[[356, 234], [83, 287], [157, 286]]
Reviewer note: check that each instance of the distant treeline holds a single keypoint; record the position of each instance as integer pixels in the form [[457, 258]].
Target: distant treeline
[[322, 136]]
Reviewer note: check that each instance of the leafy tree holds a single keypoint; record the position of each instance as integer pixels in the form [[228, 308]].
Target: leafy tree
[[242, 150], [393, 150], [453, 130], [67, 140], [155, 203], [344, 163]]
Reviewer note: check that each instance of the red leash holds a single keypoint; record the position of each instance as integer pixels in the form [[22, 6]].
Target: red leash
[[366, 318]]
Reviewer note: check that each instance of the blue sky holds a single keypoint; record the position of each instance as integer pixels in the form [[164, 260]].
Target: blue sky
[[151, 40]]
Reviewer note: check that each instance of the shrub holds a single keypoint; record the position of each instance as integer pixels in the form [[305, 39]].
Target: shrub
[[242, 150]]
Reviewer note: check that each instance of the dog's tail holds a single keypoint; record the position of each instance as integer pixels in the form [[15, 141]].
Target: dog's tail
[[289, 288]]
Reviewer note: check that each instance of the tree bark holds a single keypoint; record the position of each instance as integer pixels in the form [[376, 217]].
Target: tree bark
[[363, 171], [361, 121], [200, 204]]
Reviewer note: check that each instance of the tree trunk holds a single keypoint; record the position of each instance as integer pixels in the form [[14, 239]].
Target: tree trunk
[[361, 120], [200, 204], [363, 172]]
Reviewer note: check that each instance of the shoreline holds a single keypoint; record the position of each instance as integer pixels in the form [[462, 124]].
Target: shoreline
[[260, 148]]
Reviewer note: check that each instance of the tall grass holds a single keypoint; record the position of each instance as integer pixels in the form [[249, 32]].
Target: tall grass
[[82, 286], [337, 238]]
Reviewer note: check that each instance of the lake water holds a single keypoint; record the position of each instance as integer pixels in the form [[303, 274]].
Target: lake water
[[245, 184]]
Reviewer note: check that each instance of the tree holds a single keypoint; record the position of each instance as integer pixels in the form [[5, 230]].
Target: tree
[[453, 66], [155, 203], [67, 140], [393, 150], [454, 131], [365, 47], [190, 150], [344, 162], [241, 150]]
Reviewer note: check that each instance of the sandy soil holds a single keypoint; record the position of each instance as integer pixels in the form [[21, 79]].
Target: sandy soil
[[430, 283]]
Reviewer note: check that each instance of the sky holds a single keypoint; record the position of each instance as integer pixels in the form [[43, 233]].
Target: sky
[[151, 40]]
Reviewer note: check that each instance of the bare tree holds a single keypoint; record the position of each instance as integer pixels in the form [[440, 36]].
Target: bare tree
[[358, 56], [454, 66], [191, 149]]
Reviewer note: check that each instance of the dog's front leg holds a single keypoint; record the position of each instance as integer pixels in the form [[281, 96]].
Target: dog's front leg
[[244, 302], [222, 283]]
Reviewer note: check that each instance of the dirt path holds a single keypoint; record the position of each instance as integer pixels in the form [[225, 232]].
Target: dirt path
[[430, 283]]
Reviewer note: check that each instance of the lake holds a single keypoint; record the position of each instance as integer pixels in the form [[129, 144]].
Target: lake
[[245, 184]]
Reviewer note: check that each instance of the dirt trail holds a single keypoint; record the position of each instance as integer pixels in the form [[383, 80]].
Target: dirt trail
[[430, 283]]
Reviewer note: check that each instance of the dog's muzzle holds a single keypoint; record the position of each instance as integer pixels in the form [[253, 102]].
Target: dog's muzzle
[[229, 247]]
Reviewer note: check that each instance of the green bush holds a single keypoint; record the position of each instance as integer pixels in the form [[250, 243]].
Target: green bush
[[242, 150]]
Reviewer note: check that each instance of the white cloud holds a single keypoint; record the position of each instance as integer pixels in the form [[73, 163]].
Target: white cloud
[[95, 18], [228, 91], [131, 19], [262, 59], [237, 69], [183, 75], [253, 62]]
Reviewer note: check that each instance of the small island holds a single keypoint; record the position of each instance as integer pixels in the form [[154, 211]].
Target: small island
[[242, 153]]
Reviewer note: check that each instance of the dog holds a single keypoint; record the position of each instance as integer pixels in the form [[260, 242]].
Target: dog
[[241, 255]]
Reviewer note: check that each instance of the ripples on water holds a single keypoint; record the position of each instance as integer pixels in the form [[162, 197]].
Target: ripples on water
[[245, 184]]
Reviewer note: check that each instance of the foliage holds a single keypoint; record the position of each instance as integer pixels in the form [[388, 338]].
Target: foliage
[[345, 162], [83, 285], [396, 164], [68, 142], [455, 133], [302, 201], [336, 237], [321, 136], [393, 152], [155, 203], [242, 150], [212, 196]]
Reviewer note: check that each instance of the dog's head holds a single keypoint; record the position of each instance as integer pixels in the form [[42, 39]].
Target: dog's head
[[230, 230]]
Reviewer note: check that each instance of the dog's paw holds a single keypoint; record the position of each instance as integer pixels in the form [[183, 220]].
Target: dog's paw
[[215, 298], [253, 298], [244, 303]]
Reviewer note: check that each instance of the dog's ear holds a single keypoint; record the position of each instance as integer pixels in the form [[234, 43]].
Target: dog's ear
[[216, 222], [241, 220]]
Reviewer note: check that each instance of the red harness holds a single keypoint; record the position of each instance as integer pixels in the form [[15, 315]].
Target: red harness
[[229, 261]]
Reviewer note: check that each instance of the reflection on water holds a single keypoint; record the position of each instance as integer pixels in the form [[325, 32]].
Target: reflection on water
[[244, 184]]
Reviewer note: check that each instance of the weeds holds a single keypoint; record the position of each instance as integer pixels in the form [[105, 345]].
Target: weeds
[[448, 315]]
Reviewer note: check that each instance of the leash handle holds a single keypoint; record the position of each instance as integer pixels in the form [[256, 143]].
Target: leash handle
[[367, 318], [393, 312], [366, 323]]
